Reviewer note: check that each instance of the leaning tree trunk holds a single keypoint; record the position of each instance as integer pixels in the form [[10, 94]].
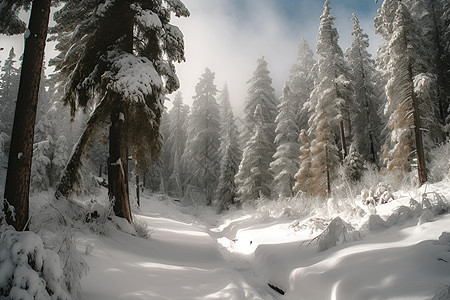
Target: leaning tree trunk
[[17, 185], [118, 160], [70, 176]]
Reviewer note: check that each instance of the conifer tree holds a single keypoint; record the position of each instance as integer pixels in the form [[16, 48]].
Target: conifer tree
[[285, 160], [260, 92], [229, 154], [119, 59], [330, 106], [254, 178], [177, 138], [9, 86], [368, 125], [301, 83], [201, 155], [404, 126]]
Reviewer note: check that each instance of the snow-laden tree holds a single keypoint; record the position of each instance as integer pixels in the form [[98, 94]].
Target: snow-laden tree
[[303, 175], [17, 186], [9, 86], [367, 123], [330, 105], [177, 138], [201, 155], [229, 151], [402, 106], [260, 92], [301, 82], [285, 160], [430, 18], [254, 179], [118, 57]]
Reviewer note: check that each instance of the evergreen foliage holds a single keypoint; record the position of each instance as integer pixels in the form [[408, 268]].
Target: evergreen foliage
[[201, 156], [229, 154], [254, 179], [330, 106], [260, 92], [285, 160], [367, 122], [301, 83]]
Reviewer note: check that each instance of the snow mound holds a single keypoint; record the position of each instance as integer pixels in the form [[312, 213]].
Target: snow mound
[[27, 270], [338, 232]]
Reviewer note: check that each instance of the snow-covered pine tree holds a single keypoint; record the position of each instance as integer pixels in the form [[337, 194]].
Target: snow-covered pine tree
[[230, 155], [301, 82], [402, 106], [9, 86], [303, 176], [367, 123], [119, 58], [330, 106], [430, 18], [285, 160], [254, 178], [177, 138], [201, 155], [260, 92]]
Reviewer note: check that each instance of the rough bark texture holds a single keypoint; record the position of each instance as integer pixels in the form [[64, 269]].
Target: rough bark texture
[[70, 176], [343, 143], [21, 151], [118, 160], [421, 166]]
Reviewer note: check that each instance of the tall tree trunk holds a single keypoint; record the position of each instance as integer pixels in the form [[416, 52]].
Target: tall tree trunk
[[118, 160], [343, 143], [17, 185], [137, 189], [421, 166], [328, 172], [70, 176]]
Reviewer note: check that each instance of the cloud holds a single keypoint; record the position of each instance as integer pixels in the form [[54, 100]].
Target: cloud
[[228, 36]]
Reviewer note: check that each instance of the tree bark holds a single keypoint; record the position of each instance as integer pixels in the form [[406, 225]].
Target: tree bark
[[421, 165], [17, 185], [70, 176], [118, 160], [343, 143], [137, 189]]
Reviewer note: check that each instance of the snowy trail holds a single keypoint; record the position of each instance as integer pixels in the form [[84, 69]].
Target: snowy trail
[[179, 261]]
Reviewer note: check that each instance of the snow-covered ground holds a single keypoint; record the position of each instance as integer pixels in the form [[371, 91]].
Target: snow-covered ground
[[192, 253]]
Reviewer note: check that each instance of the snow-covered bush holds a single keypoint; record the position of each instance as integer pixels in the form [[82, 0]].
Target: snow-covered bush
[[377, 195], [439, 166], [338, 232], [27, 270]]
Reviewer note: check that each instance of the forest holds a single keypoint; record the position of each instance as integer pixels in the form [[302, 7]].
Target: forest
[[103, 162]]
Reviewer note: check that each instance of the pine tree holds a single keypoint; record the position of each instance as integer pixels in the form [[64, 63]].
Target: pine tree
[[17, 186], [119, 59], [330, 107], [285, 159], [177, 138], [254, 178], [201, 155], [404, 126], [9, 86], [368, 125], [301, 83], [229, 154], [260, 92]]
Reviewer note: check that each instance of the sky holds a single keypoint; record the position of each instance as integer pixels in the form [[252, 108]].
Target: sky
[[228, 36]]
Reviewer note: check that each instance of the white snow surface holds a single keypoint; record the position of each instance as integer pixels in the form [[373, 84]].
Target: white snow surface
[[192, 253]]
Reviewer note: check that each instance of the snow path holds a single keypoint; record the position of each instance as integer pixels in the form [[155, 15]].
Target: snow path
[[195, 254], [179, 261]]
